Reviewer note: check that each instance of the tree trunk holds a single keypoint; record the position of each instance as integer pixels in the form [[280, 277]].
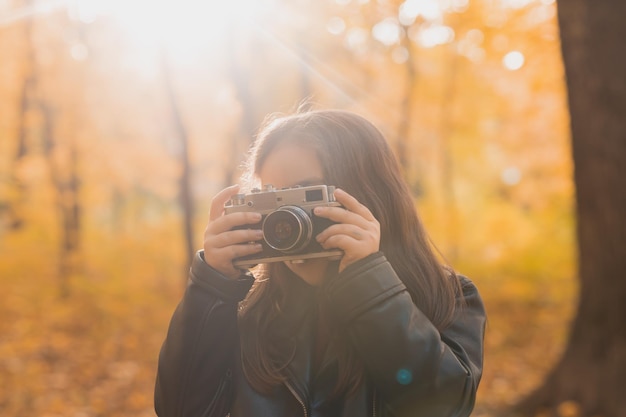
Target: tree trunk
[[240, 77], [590, 376], [446, 158], [185, 196], [67, 190], [26, 101], [406, 109]]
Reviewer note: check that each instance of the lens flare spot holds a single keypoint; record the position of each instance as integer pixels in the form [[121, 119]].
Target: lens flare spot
[[513, 61], [404, 376]]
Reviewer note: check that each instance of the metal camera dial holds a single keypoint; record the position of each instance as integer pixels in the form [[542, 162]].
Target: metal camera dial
[[238, 199]]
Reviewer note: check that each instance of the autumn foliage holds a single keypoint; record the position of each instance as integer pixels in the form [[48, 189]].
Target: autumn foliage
[[95, 109]]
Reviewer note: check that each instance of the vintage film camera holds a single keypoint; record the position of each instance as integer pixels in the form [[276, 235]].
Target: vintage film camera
[[289, 224]]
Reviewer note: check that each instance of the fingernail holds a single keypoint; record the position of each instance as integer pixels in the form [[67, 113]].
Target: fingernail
[[256, 216], [318, 210]]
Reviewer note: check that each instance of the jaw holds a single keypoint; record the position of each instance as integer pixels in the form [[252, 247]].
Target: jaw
[[313, 271]]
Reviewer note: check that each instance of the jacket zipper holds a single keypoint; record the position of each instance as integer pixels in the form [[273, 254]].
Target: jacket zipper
[[374, 404], [295, 394], [306, 414]]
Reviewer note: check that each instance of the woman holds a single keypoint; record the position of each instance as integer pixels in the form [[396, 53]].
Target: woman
[[384, 331]]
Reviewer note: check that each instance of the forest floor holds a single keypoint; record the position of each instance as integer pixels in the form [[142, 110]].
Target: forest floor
[[526, 333], [93, 351]]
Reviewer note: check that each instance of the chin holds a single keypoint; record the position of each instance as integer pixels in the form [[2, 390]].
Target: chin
[[312, 271]]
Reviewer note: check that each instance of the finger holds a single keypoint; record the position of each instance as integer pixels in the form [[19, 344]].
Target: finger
[[342, 215], [356, 233], [225, 256], [222, 259], [217, 204], [352, 249], [229, 221], [349, 240], [352, 204], [235, 237], [344, 242], [237, 251]]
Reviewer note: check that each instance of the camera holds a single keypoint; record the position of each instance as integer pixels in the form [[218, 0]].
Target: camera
[[289, 225]]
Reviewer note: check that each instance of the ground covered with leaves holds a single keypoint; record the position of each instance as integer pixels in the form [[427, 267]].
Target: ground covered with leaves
[[93, 350]]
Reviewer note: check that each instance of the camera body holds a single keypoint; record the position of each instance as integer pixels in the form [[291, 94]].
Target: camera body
[[289, 225]]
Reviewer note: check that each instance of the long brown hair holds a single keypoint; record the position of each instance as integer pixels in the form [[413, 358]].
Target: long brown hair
[[355, 157]]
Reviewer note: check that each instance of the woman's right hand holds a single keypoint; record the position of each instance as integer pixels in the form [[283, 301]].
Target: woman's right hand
[[221, 243]]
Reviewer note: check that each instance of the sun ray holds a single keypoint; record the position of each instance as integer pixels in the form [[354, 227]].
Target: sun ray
[[14, 16]]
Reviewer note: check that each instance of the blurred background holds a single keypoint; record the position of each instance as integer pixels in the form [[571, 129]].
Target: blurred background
[[119, 121]]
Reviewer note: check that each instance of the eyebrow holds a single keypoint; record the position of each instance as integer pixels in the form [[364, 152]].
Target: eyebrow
[[304, 183], [309, 181]]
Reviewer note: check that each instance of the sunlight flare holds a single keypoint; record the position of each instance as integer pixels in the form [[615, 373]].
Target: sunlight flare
[[183, 27]]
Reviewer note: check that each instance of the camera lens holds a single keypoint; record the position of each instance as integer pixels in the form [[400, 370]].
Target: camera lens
[[287, 229], [283, 230]]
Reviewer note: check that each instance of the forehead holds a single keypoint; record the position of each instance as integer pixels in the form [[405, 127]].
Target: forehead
[[291, 164]]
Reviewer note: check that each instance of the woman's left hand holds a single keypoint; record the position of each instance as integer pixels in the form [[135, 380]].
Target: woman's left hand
[[356, 232]]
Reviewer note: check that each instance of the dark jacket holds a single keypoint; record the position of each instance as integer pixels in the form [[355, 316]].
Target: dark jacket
[[412, 369]]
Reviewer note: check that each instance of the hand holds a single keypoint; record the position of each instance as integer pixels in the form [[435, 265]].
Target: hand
[[357, 232], [221, 244]]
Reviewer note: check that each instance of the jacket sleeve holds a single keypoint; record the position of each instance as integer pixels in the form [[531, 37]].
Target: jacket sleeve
[[417, 370], [200, 343]]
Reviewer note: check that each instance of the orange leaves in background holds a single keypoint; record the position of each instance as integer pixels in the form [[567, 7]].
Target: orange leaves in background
[[472, 91]]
